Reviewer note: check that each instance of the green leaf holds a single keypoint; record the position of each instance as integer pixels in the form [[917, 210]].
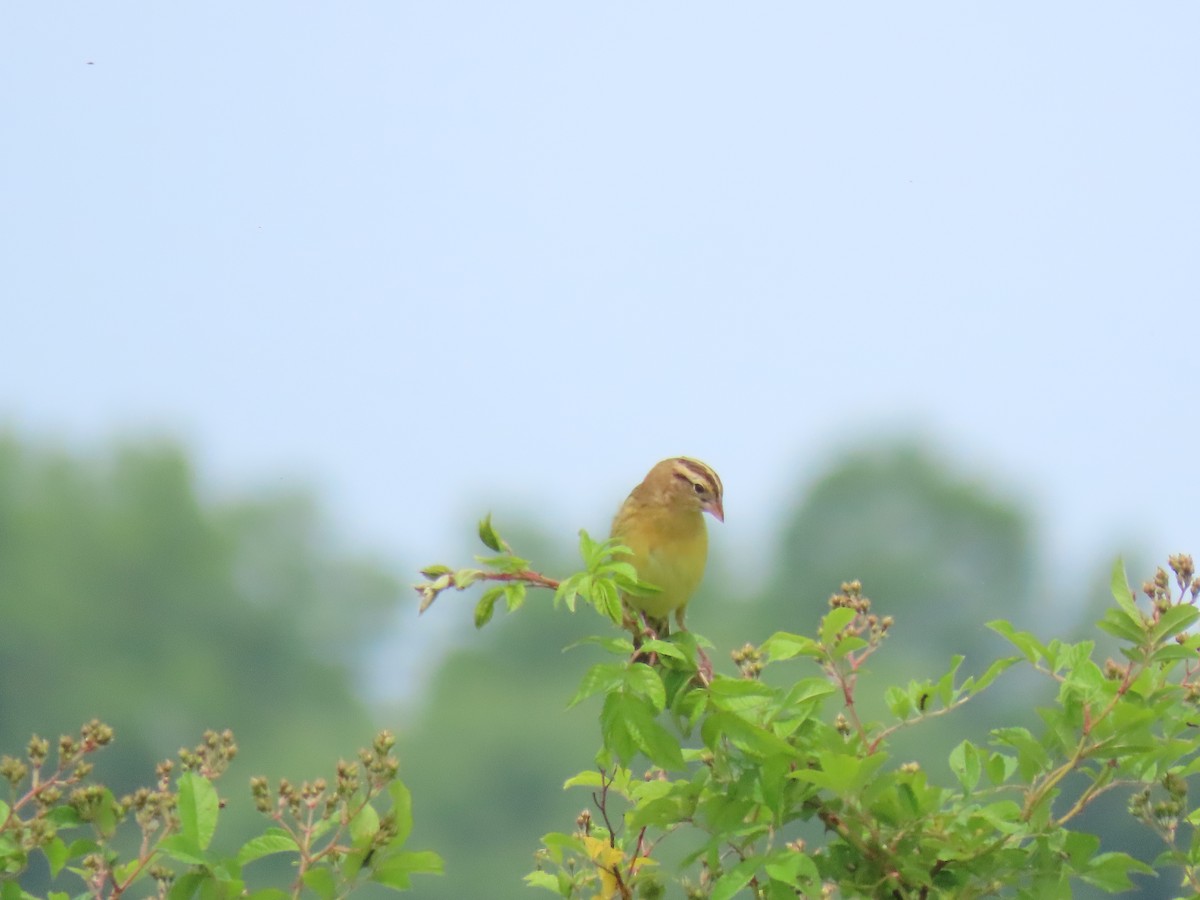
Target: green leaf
[[1030, 646], [614, 645], [641, 680], [364, 826], [269, 894], [586, 778], [834, 622], [973, 686], [56, 853], [1122, 593], [487, 606], [1031, 756], [898, 702], [740, 694], [275, 840], [728, 885], [783, 645], [186, 885], [488, 535], [966, 766], [402, 807], [1175, 619], [1080, 847], [1000, 768], [607, 601], [745, 735], [321, 882], [796, 870], [198, 808], [628, 727], [184, 849], [1121, 624], [569, 590], [514, 595], [394, 872], [841, 772], [602, 677], [1110, 871], [663, 648], [544, 880]]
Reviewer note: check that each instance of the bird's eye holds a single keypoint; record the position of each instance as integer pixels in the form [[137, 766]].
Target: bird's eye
[[699, 487]]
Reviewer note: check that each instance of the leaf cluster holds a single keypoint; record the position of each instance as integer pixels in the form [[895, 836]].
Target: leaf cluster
[[743, 785], [337, 836]]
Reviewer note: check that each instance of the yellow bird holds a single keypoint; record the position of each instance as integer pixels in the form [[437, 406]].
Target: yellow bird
[[662, 522]]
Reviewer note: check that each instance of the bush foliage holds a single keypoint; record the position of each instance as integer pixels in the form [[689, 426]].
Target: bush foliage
[[770, 787], [767, 782], [158, 841]]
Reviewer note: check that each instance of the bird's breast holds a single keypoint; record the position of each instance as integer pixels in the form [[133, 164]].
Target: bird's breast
[[668, 551]]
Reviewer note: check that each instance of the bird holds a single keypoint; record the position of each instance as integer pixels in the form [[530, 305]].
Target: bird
[[662, 524]]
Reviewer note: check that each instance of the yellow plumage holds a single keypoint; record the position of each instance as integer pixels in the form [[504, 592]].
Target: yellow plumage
[[662, 523]]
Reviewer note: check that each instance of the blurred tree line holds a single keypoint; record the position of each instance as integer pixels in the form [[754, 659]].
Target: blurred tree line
[[125, 595]]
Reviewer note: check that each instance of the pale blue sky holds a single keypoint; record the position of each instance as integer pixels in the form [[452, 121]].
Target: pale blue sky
[[440, 257]]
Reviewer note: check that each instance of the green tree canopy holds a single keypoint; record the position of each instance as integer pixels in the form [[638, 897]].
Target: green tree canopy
[[128, 595]]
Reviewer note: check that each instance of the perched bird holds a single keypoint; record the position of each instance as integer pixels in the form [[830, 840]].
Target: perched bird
[[662, 522]]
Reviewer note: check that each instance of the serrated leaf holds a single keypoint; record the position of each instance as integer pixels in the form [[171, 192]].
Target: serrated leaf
[[198, 806], [834, 622], [486, 606], [1122, 593], [783, 645], [587, 778], [973, 686], [402, 807], [628, 727], [543, 880], [487, 534], [663, 648], [321, 882], [898, 702], [746, 736], [600, 677], [569, 590], [1175, 619], [615, 645], [268, 894], [184, 849], [966, 765], [186, 885], [739, 694], [588, 549], [56, 853], [732, 881], [643, 681], [364, 826], [275, 840], [608, 602], [1120, 624], [394, 872], [1000, 768], [514, 596], [1032, 649], [1110, 871]]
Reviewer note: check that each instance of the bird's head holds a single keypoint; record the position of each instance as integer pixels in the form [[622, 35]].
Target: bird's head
[[687, 483]]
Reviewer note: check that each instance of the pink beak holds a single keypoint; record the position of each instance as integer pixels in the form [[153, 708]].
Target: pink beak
[[717, 510]]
